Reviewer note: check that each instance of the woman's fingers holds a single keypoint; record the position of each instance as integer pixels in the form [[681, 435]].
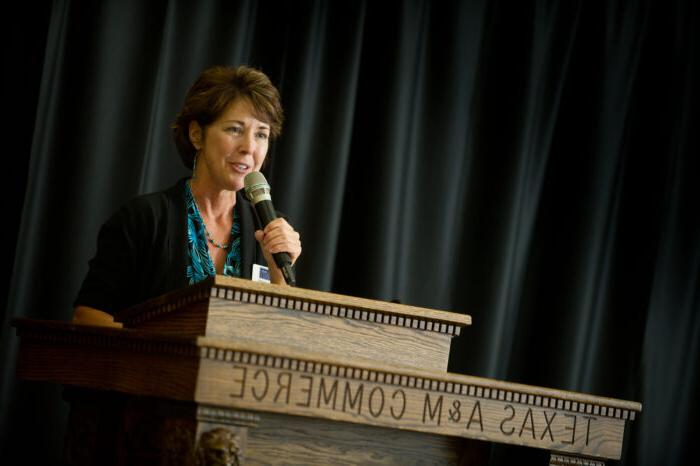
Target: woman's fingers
[[279, 236]]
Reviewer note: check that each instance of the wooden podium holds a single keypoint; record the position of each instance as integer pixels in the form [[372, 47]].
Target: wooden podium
[[231, 371]]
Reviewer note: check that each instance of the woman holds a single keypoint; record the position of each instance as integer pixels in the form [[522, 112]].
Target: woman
[[203, 225]]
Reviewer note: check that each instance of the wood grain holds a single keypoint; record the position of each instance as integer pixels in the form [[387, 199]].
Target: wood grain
[[342, 300], [271, 378], [127, 361], [298, 299], [329, 335], [322, 323], [275, 356], [257, 381], [281, 439]]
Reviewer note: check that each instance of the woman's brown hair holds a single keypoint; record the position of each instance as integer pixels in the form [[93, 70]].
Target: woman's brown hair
[[211, 94]]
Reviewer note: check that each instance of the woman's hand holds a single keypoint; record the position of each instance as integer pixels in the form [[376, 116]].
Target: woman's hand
[[278, 236], [84, 315]]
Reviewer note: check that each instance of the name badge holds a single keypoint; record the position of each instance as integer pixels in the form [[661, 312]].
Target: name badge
[[261, 273]]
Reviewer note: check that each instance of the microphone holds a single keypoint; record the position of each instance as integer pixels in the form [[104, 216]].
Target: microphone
[[258, 191]]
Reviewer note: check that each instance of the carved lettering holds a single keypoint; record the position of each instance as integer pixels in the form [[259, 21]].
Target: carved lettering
[[327, 396], [572, 429], [267, 384], [588, 427], [506, 419], [455, 413], [371, 404], [357, 399], [242, 380], [427, 409], [476, 410], [548, 426], [389, 404], [403, 404], [307, 390], [531, 427], [286, 385]]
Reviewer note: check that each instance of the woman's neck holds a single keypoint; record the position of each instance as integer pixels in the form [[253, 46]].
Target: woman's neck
[[212, 202]]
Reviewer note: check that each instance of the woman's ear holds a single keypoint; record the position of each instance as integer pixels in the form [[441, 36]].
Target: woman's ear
[[195, 132]]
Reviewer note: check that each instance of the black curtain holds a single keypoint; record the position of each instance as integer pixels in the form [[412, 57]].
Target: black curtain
[[533, 164]]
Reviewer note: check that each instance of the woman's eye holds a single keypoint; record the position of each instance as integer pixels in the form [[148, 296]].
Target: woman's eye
[[263, 136], [235, 129]]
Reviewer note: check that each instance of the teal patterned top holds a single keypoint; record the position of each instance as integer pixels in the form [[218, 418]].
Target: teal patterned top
[[200, 263]]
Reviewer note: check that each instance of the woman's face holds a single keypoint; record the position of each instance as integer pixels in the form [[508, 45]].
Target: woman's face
[[231, 147]]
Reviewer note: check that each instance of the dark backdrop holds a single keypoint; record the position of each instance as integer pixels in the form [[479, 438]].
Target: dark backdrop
[[531, 163]]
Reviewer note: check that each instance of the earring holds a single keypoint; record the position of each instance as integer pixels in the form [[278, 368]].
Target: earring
[[194, 165]]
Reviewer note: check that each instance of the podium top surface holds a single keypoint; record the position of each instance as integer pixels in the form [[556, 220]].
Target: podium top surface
[[302, 295]]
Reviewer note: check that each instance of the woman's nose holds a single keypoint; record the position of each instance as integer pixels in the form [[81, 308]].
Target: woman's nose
[[248, 142]]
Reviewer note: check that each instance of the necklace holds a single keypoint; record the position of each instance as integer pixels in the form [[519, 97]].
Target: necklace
[[212, 240]]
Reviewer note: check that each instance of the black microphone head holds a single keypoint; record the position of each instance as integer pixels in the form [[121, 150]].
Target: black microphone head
[[256, 187]]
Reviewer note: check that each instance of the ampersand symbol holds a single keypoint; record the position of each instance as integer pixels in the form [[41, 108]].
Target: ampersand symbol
[[455, 415]]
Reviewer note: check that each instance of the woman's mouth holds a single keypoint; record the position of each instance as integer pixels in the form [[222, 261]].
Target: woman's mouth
[[240, 167]]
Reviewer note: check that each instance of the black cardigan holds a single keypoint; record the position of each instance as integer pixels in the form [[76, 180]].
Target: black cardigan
[[142, 250]]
